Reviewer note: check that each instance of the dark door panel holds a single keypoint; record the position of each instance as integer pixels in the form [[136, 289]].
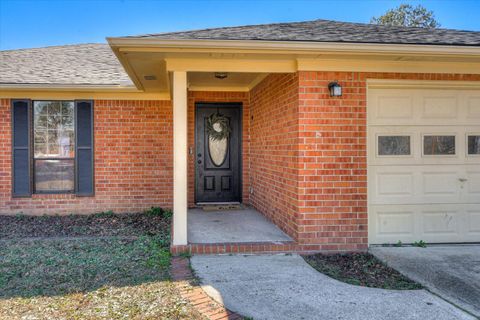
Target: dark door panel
[[218, 162]]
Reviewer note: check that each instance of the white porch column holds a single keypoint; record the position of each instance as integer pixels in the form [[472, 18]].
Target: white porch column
[[180, 155]]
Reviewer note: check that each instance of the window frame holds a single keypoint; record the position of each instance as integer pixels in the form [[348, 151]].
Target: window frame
[[467, 135], [449, 134], [377, 145], [32, 150]]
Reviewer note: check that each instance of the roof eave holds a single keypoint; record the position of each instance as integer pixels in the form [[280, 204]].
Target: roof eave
[[294, 46], [68, 87]]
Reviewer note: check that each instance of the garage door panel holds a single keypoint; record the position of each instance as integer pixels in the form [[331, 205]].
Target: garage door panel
[[473, 107], [395, 184], [472, 183], [440, 183], [445, 107], [473, 222], [390, 224], [392, 185], [414, 184], [421, 191], [441, 222], [395, 223], [422, 106], [431, 223], [394, 107]]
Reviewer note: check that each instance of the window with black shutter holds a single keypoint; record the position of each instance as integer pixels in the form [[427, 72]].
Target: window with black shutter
[[21, 169], [53, 152], [84, 148]]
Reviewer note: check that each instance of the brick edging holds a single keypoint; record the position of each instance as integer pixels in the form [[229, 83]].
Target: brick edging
[[263, 247], [182, 276]]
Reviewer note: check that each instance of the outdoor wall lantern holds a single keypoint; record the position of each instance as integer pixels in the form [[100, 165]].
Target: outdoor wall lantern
[[335, 89]]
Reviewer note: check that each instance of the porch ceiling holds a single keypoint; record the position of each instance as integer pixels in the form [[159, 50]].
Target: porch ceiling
[[150, 71], [235, 81]]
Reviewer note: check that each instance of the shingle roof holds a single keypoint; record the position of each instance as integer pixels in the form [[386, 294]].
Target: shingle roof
[[82, 64], [96, 64], [330, 31]]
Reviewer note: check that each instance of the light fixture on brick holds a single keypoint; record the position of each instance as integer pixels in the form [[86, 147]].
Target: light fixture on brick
[[335, 89]]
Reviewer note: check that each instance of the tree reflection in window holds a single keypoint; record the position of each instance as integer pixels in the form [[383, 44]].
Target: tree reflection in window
[[438, 145], [53, 146], [473, 144], [393, 145]]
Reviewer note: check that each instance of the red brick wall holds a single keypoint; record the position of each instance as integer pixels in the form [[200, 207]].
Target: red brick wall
[[5, 152], [315, 189], [133, 157], [217, 96], [304, 155], [133, 161], [274, 150], [333, 178]]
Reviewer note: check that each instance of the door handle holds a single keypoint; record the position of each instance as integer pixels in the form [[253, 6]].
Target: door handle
[[462, 179]]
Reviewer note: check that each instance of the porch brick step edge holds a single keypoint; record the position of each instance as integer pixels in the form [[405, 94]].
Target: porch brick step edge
[[266, 248]]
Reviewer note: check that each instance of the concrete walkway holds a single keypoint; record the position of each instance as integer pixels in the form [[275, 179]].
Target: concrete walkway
[[244, 225], [452, 272], [286, 287]]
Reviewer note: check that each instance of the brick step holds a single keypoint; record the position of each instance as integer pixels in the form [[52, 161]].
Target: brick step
[[257, 247], [237, 247]]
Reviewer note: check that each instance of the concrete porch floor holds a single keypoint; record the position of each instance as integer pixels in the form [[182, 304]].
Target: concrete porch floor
[[232, 226]]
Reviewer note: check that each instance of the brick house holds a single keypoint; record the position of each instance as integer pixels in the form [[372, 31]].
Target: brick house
[[341, 134]]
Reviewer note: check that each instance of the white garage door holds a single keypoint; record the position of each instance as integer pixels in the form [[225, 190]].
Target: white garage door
[[423, 165]]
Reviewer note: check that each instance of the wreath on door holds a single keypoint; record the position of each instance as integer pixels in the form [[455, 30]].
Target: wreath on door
[[218, 127]]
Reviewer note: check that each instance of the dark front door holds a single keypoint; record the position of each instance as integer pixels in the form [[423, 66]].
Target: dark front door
[[218, 152]]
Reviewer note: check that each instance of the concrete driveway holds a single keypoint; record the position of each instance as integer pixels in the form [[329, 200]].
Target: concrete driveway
[[286, 287], [452, 272]]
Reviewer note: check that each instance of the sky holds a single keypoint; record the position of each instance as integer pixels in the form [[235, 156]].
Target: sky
[[38, 23]]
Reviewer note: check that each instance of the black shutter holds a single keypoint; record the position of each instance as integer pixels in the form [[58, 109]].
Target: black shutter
[[84, 148], [21, 169]]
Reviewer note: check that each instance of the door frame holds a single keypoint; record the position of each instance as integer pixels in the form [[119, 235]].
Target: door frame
[[239, 106]]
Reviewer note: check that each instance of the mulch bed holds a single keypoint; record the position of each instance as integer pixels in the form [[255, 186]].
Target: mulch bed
[[361, 269], [105, 224]]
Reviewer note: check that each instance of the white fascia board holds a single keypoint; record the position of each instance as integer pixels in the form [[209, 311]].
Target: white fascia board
[[296, 46]]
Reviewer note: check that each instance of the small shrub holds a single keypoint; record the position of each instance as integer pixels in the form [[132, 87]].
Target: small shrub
[[154, 211], [420, 244], [398, 244], [104, 214], [168, 214], [20, 216]]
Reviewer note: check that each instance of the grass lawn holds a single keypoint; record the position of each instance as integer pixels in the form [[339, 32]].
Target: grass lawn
[[120, 275]]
